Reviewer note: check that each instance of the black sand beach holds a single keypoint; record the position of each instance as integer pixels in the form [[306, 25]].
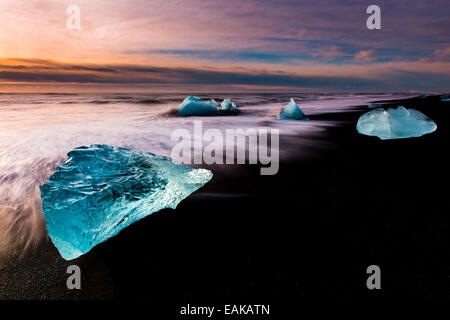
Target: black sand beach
[[310, 231]]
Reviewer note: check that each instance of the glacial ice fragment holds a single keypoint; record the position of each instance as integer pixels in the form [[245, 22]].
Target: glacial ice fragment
[[194, 106], [228, 108], [292, 112], [395, 123], [227, 104], [101, 190], [445, 98]]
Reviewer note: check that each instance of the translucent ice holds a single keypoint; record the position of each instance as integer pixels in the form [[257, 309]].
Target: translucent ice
[[292, 112], [193, 106], [101, 190], [395, 123], [227, 104], [445, 98], [228, 108]]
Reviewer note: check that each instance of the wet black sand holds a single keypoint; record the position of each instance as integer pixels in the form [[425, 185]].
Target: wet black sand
[[308, 232]]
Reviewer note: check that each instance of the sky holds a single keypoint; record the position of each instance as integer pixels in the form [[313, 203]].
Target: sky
[[221, 46]]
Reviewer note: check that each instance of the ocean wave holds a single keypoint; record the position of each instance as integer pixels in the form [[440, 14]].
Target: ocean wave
[[22, 225], [171, 112], [100, 101], [149, 101]]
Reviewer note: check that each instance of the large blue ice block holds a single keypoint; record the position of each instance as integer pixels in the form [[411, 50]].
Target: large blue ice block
[[101, 190]]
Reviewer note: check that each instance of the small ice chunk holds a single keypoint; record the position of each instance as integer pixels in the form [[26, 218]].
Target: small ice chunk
[[425, 95], [292, 112], [395, 123], [445, 98], [194, 106], [228, 105], [102, 189], [228, 108]]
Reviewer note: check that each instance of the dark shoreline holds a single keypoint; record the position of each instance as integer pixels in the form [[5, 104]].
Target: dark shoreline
[[308, 232]]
